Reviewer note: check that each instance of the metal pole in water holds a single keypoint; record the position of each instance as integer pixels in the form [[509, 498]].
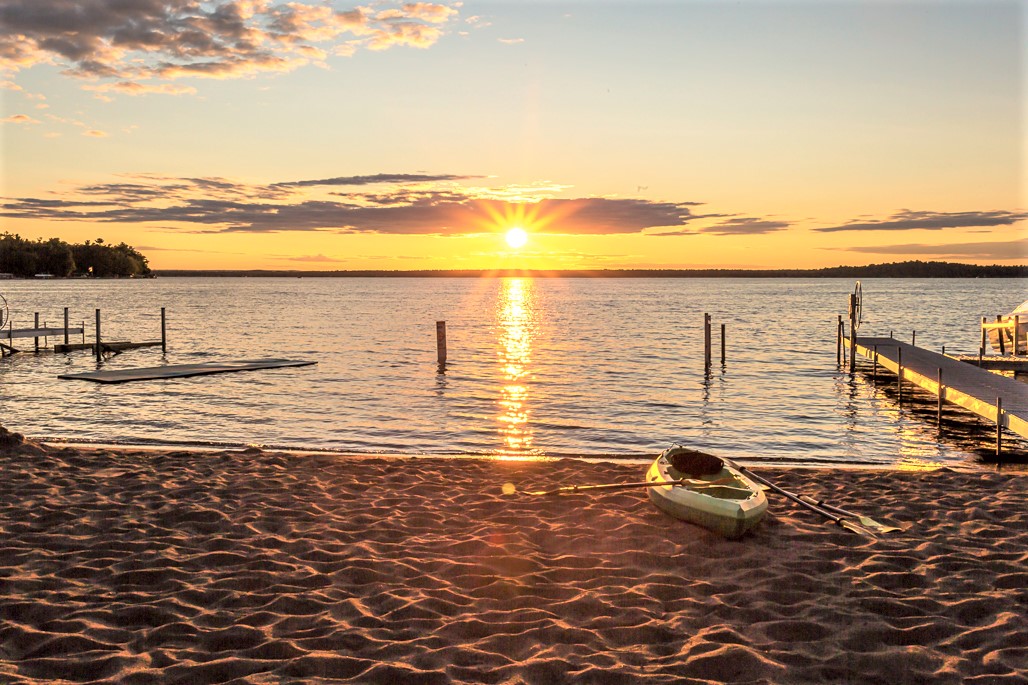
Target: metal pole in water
[[853, 332], [97, 350], [440, 342], [36, 339], [164, 331], [838, 342], [913, 337], [706, 341], [66, 326], [722, 344]]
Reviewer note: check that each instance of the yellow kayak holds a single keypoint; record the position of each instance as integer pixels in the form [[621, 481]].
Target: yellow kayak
[[722, 500]]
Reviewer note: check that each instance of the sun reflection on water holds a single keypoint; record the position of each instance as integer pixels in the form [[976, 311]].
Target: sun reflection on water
[[515, 318]]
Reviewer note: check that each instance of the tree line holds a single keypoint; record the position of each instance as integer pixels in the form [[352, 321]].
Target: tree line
[[26, 258], [910, 269]]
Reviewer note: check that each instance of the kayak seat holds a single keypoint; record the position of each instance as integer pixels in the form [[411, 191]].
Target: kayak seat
[[693, 462]]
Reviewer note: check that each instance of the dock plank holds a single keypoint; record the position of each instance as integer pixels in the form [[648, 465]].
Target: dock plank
[[49, 331], [963, 384], [181, 370]]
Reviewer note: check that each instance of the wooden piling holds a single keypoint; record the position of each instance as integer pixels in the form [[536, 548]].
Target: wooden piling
[[899, 372], [706, 341], [440, 342], [999, 427], [164, 331], [722, 344], [36, 339], [981, 346], [99, 352], [913, 337], [66, 341]]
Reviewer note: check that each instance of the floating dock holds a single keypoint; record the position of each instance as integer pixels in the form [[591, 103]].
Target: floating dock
[[989, 395], [181, 370]]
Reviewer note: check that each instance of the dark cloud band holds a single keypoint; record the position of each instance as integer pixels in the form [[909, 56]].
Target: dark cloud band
[[907, 220]]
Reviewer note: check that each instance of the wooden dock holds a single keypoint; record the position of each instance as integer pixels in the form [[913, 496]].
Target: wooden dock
[[997, 398], [181, 370]]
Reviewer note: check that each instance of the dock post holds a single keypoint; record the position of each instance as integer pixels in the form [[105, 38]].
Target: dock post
[[838, 342], [853, 332], [899, 372], [984, 336], [706, 341], [440, 342], [164, 331], [98, 353], [913, 338], [938, 408], [999, 426], [722, 344], [66, 326], [36, 339]]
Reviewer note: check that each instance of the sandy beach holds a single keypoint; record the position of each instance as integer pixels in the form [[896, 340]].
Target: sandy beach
[[135, 566]]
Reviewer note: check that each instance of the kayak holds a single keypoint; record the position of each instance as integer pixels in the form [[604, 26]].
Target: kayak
[[723, 500]]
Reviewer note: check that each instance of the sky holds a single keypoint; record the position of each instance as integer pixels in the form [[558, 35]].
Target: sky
[[327, 135]]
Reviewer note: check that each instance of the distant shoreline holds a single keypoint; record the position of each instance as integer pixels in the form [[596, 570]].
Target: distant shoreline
[[894, 270]]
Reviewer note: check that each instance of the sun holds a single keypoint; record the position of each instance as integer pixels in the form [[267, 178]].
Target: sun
[[516, 237]]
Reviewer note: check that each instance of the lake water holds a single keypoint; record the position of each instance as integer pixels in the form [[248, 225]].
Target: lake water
[[594, 367]]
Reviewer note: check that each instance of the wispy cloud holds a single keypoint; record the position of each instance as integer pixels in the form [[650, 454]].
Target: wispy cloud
[[373, 179], [406, 204], [313, 259], [19, 119], [906, 220], [999, 250], [132, 42], [746, 225]]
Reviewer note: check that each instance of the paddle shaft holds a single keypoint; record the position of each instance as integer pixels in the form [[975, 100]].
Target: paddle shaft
[[829, 507], [606, 486], [837, 520], [865, 521]]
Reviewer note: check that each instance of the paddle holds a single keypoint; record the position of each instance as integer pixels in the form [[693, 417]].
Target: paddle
[[509, 489], [865, 521], [837, 520]]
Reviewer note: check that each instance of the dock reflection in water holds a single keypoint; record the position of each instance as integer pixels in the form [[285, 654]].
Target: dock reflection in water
[[516, 324]]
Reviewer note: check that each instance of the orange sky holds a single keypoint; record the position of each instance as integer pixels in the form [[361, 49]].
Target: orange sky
[[618, 135]]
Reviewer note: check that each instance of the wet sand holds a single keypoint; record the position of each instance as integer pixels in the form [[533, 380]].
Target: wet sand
[[136, 566]]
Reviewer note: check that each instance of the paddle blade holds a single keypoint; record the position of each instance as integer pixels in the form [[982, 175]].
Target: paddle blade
[[854, 528], [875, 526]]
